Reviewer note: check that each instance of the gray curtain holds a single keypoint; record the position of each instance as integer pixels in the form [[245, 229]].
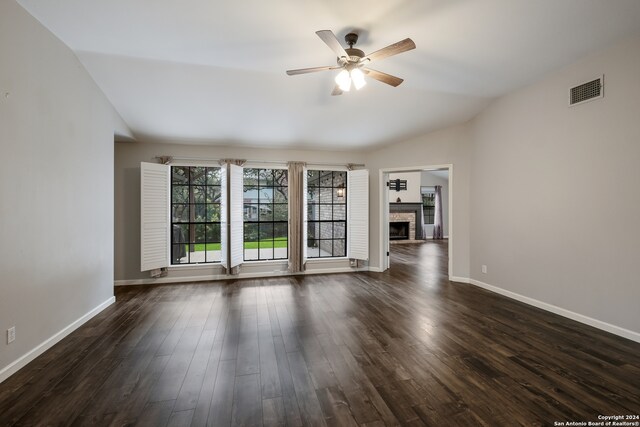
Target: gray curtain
[[423, 235], [437, 219], [296, 221]]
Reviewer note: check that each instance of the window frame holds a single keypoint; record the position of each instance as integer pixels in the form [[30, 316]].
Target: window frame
[[309, 206], [428, 191], [284, 189], [206, 223]]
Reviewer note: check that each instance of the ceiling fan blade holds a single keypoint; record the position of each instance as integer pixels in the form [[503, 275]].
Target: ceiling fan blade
[[311, 70], [383, 77], [330, 39], [336, 91], [393, 49]]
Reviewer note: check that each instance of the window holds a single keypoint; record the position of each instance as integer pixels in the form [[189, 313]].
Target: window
[[266, 214], [326, 214], [428, 204], [195, 215]]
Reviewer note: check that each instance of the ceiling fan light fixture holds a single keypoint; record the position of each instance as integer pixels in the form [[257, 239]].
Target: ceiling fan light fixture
[[343, 80], [357, 77]]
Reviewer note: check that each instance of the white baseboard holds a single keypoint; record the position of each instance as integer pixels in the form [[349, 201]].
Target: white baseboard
[[459, 279], [599, 324], [215, 277], [21, 362]]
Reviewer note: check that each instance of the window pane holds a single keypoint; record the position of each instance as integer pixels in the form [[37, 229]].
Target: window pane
[[198, 175], [250, 212], [265, 195], [213, 176], [199, 234], [326, 179], [199, 194], [280, 194], [340, 212], [326, 212], [180, 194], [265, 177], [251, 178], [313, 212], [326, 230], [326, 195], [280, 212], [266, 235], [213, 253], [280, 232], [280, 177], [213, 194], [339, 247], [180, 213], [180, 233], [280, 243], [180, 175], [312, 178], [265, 253], [213, 212], [213, 233], [339, 230], [313, 233], [199, 213], [326, 248], [339, 179], [313, 252], [251, 233], [313, 195], [179, 254], [266, 212]]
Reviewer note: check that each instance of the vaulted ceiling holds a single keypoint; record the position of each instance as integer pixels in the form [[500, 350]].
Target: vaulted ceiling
[[213, 72]]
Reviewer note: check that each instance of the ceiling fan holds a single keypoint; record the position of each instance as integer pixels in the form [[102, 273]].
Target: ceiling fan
[[353, 62]]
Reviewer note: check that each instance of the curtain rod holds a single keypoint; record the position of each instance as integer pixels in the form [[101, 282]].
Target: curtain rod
[[202, 159]]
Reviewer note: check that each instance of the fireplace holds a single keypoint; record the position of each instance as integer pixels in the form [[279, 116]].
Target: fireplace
[[399, 230]]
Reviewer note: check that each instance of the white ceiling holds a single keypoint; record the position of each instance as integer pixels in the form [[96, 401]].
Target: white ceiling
[[213, 72]]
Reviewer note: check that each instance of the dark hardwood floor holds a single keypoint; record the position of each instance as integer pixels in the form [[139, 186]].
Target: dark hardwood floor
[[401, 347]]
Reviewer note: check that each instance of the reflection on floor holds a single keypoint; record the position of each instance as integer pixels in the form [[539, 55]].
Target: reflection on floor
[[405, 346]]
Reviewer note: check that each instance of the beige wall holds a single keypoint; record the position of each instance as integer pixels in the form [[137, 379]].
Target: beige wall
[[56, 187], [449, 146], [412, 193], [555, 191], [128, 156]]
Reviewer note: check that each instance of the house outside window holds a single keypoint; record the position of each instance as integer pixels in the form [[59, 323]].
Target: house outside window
[[326, 214], [195, 215], [266, 214]]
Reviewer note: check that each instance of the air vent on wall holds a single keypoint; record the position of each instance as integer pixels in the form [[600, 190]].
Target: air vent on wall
[[587, 91]]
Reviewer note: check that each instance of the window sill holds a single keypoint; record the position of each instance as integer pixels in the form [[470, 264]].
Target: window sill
[[327, 259]]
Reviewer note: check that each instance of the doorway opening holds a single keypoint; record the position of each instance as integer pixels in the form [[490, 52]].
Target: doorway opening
[[416, 213]]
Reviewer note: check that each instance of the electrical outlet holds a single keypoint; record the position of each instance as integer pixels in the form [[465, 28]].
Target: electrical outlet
[[484, 269], [11, 334]]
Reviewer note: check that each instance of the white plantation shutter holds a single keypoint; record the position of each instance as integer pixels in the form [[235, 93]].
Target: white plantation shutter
[[154, 216], [236, 218], [358, 214], [223, 216]]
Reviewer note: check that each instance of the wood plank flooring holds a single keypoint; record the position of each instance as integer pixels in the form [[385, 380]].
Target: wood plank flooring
[[402, 347]]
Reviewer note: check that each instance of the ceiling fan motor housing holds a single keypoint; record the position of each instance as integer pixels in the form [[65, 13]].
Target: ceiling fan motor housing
[[354, 54]]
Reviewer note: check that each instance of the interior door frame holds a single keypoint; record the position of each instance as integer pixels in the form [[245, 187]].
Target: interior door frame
[[384, 209]]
